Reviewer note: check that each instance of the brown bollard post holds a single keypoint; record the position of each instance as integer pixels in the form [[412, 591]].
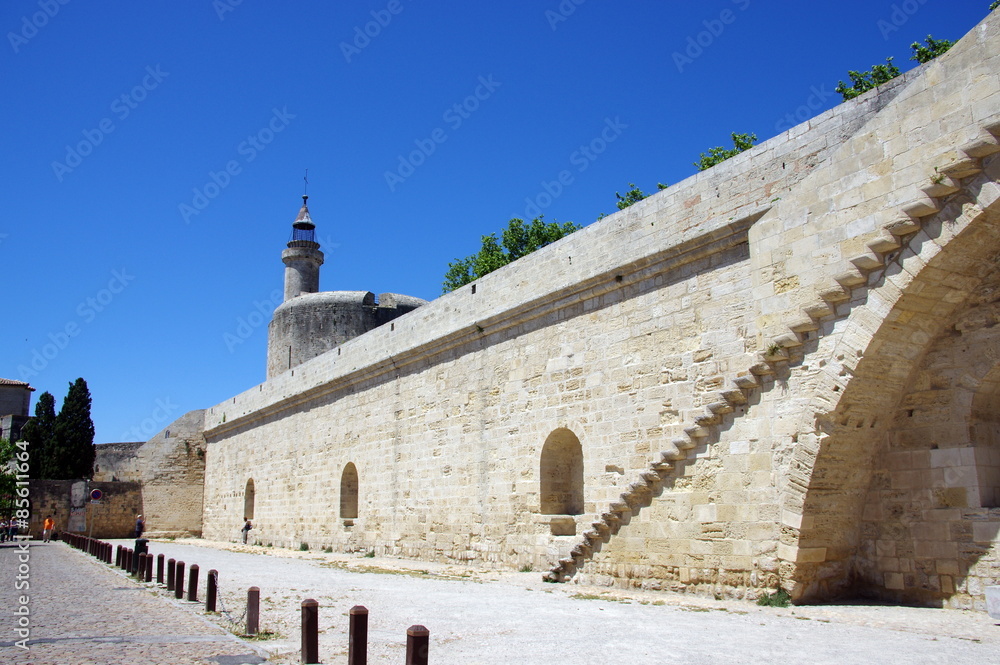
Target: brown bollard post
[[211, 590], [417, 639], [139, 569], [171, 569], [159, 568], [149, 568], [118, 556], [128, 560], [193, 583], [357, 648], [179, 580], [310, 631], [253, 610]]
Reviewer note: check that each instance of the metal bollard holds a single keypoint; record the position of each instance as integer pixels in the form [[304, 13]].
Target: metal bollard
[[140, 566], [128, 560], [159, 568], [149, 567], [211, 589], [179, 580], [118, 556], [417, 639], [253, 610], [357, 648], [193, 583], [171, 569], [310, 631]]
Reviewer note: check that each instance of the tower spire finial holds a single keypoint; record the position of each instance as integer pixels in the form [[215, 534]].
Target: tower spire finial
[[305, 189]]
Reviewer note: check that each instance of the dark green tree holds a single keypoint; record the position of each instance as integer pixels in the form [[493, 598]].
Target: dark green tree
[[517, 240], [995, 5], [741, 142], [40, 433], [632, 196], [933, 49], [74, 453], [8, 476], [862, 82]]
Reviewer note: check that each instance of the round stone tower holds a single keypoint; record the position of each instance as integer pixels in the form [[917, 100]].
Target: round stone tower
[[308, 322], [302, 259]]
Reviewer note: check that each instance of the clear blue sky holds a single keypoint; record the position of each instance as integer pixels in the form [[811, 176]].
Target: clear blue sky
[[117, 114]]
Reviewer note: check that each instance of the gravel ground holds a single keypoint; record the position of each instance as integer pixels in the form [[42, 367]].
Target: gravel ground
[[479, 616]]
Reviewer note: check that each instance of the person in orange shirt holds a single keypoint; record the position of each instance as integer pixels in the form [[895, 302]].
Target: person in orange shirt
[[47, 527]]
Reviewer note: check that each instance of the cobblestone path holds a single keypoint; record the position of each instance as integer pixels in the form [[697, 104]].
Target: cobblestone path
[[81, 611]]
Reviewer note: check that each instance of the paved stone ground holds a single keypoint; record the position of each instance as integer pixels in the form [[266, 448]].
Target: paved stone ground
[[82, 611], [477, 616], [86, 612]]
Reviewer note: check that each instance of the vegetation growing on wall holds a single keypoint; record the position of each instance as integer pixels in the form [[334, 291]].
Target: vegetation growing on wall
[[719, 154], [517, 240]]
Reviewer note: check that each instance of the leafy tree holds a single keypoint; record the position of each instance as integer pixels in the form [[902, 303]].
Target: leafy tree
[[862, 82], [632, 196], [8, 476], [934, 48], [995, 5], [39, 433], [517, 240], [74, 453], [741, 142]]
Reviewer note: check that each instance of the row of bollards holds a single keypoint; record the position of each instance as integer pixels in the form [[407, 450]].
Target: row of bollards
[[417, 637], [171, 573]]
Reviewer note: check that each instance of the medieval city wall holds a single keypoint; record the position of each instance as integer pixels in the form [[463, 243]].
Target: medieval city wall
[[731, 355]]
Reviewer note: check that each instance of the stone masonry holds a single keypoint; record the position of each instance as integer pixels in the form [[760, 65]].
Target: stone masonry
[[783, 371]]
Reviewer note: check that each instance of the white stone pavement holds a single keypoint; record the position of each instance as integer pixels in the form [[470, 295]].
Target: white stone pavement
[[491, 617]]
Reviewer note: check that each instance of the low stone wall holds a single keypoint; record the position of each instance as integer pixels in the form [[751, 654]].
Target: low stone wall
[[68, 504]]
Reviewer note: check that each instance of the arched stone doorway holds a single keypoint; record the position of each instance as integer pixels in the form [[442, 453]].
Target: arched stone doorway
[[561, 474], [349, 492], [249, 498]]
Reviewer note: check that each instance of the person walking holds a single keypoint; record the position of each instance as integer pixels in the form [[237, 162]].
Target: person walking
[[246, 530], [140, 526], [47, 527]]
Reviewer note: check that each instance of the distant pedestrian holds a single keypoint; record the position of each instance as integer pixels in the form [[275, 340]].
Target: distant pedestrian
[[12, 529], [3, 530], [246, 530], [47, 527], [140, 526]]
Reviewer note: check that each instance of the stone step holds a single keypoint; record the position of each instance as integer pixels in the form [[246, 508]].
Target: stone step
[[650, 477], [720, 408], [695, 433], [958, 165], [851, 278], [993, 128], [834, 294], [707, 420], [984, 146], [902, 227], [804, 324], [790, 340], [884, 244], [815, 311], [762, 369], [735, 397], [941, 185], [921, 207], [747, 382], [866, 263]]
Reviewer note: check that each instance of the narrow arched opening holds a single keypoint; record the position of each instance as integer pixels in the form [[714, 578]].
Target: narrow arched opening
[[561, 474], [984, 434], [249, 497], [349, 492]]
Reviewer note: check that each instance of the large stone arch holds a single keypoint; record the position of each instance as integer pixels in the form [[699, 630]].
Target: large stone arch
[[868, 367]]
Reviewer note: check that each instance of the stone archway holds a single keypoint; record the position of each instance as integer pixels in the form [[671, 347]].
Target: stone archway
[[561, 474], [860, 400], [249, 499], [349, 492]]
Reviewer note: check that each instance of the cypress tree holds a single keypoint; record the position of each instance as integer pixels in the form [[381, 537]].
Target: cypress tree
[[74, 435], [39, 432]]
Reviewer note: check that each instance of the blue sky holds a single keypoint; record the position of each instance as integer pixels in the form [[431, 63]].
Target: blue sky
[[155, 152]]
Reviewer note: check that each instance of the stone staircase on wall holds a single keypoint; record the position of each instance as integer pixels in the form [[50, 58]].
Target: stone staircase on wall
[[831, 302]]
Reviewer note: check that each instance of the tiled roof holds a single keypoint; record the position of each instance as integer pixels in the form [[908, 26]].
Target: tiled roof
[[12, 382]]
